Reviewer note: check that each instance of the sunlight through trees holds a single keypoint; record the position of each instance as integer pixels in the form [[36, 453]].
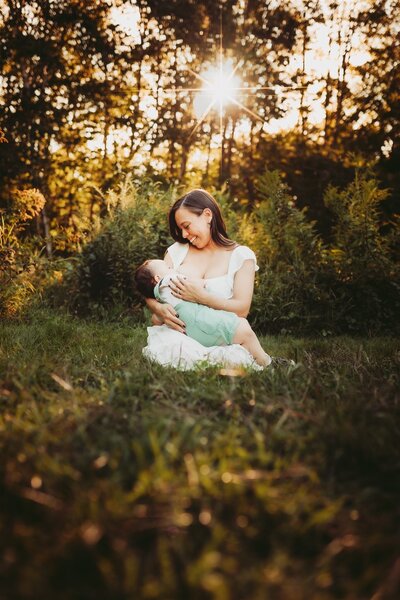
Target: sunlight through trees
[[90, 91]]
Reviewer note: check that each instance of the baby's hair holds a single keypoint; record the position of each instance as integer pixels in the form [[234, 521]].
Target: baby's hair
[[144, 280]]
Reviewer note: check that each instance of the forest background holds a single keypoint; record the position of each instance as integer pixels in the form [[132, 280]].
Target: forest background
[[302, 149]]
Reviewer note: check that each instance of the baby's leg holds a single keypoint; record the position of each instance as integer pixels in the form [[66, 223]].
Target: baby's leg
[[245, 336]]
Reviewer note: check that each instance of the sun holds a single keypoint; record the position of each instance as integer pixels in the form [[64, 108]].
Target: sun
[[220, 88]]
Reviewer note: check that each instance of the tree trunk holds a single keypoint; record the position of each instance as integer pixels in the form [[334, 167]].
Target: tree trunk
[[230, 148], [328, 95], [135, 116], [152, 142], [222, 163], [105, 136], [204, 179], [342, 86], [184, 159], [302, 109]]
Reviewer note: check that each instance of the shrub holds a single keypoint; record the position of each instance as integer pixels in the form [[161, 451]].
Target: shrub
[[292, 291], [135, 229], [363, 255], [350, 285], [20, 256], [305, 285]]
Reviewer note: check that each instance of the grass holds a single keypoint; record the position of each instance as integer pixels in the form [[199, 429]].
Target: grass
[[120, 479]]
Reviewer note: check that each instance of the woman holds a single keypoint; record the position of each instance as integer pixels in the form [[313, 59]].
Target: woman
[[202, 250]]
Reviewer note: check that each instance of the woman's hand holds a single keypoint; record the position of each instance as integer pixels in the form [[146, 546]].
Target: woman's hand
[[185, 289], [167, 315]]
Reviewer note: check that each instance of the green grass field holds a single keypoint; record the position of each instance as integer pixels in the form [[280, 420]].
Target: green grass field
[[123, 480]]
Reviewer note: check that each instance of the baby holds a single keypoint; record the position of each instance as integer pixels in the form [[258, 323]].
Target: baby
[[208, 326]]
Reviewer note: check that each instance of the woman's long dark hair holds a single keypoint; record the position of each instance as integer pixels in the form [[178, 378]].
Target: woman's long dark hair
[[196, 201]]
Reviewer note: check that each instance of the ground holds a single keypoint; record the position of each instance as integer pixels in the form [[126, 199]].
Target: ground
[[121, 479]]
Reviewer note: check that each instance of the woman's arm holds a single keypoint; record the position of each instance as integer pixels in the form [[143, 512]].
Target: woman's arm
[[240, 302]]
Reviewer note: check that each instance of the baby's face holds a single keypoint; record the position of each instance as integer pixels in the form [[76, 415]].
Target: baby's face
[[159, 268]]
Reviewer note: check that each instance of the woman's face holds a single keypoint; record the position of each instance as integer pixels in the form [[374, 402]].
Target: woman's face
[[195, 228]]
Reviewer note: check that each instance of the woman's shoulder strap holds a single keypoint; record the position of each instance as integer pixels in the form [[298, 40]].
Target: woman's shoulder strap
[[177, 253], [239, 255]]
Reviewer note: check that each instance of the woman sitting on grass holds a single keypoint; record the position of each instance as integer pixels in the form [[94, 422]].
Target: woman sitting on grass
[[208, 326], [202, 250]]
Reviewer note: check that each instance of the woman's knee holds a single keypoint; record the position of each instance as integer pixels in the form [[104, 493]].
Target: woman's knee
[[243, 329]]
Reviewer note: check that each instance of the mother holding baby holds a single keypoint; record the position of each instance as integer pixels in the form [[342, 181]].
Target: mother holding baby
[[202, 250]]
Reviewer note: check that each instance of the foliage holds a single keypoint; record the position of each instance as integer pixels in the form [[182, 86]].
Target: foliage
[[19, 257], [293, 290], [351, 284], [363, 254], [86, 98], [120, 479], [135, 230], [304, 285], [53, 63]]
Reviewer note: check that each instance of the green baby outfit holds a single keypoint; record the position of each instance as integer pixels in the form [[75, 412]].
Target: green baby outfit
[[206, 325]]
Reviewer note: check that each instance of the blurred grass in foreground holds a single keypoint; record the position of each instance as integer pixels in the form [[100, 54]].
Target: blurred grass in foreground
[[120, 479]]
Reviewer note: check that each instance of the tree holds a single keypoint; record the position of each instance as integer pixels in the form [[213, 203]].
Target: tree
[[60, 61]]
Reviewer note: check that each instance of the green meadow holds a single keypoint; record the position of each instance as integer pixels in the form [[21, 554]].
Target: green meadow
[[121, 479]]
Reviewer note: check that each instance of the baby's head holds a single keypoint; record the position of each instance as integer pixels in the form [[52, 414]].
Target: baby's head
[[149, 274]]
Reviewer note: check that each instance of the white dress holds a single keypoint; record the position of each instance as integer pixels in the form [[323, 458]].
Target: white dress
[[170, 348]]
